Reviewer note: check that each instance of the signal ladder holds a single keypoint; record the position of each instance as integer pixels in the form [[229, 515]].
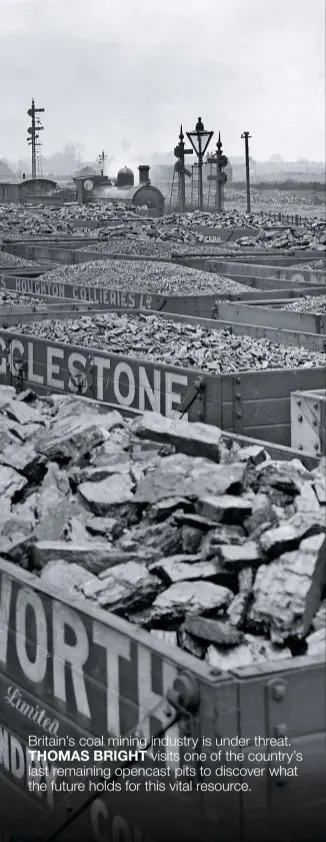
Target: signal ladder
[[175, 189], [194, 187], [211, 193]]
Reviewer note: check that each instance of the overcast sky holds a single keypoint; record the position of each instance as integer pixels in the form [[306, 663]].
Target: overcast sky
[[111, 71]]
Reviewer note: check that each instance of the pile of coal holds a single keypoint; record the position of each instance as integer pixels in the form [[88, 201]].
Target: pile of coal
[[8, 261], [312, 235], [17, 221], [232, 218], [155, 238], [215, 548], [185, 231], [13, 299], [267, 233], [317, 265], [142, 246], [65, 192], [31, 223], [155, 339], [280, 200], [315, 304], [153, 277]]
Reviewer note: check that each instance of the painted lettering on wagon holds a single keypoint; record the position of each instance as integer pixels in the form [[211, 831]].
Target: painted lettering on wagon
[[21, 717], [16, 765], [129, 385], [42, 287], [304, 277], [104, 826], [93, 677], [84, 669], [88, 295], [112, 829]]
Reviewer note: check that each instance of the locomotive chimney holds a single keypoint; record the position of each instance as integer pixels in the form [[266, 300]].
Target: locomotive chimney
[[143, 174]]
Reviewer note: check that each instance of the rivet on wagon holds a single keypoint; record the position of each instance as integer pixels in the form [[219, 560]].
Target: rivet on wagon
[[300, 418], [278, 691], [280, 730], [299, 403], [238, 396], [239, 414]]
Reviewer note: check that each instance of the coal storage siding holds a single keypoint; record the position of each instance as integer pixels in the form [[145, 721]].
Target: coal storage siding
[[161, 341], [159, 278]]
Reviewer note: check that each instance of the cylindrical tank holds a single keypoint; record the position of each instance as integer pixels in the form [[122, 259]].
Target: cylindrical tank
[[146, 195], [143, 195]]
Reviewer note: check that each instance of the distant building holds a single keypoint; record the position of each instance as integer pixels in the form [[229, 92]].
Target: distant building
[[28, 190], [5, 172], [84, 172]]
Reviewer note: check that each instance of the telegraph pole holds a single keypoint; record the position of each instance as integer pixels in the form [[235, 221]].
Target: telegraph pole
[[33, 133], [246, 136]]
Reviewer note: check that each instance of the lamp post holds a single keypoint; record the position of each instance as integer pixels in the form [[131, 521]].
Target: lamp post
[[245, 136], [200, 139]]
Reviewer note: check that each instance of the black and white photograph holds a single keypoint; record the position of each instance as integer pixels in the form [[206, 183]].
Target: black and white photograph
[[162, 421]]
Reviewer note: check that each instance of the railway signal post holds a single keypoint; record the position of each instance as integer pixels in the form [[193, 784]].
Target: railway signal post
[[180, 153], [220, 161], [33, 131], [245, 136]]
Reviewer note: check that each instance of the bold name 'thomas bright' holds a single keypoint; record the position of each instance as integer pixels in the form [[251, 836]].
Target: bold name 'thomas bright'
[[71, 756]]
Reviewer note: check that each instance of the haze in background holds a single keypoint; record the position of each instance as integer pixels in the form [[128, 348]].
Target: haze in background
[[122, 75]]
